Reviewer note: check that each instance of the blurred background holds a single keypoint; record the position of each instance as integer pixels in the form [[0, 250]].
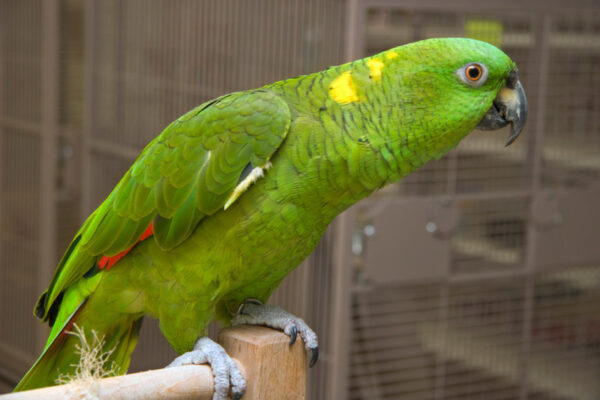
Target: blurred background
[[477, 277]]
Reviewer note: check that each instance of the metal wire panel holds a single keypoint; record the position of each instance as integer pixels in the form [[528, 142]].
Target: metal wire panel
[[509, 310], [20, 181], [490, 236], [466, 340], [480, 342], [571, 141], [388, 359], [156, 60], [20, 33], [503, 304], [19, 213], [565, 349]]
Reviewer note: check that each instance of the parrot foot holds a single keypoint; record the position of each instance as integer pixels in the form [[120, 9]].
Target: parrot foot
[[253, 312], [224, 369]]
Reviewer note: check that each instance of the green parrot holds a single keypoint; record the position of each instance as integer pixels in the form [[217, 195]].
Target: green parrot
[[237, 192]]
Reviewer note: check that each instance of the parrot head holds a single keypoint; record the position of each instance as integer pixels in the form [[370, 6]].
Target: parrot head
[[456, 85]]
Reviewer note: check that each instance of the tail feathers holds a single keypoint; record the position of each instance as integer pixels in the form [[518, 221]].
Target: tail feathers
[[61, 356], [44, 303], [45, 365]]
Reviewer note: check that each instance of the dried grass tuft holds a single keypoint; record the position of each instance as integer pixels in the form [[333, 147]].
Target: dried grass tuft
[[92, 366]]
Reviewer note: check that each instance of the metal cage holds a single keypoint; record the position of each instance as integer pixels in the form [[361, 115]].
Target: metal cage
[[477, 277]]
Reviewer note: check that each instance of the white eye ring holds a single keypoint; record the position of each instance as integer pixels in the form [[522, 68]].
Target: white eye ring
[[465, 73]]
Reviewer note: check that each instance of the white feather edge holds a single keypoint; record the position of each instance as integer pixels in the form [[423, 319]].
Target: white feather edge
[[253, 176]]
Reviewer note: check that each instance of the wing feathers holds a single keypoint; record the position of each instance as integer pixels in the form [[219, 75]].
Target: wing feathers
[[187, 173]]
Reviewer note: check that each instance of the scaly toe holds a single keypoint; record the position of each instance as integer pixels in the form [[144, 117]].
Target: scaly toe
[[225, 371], [272, 316]]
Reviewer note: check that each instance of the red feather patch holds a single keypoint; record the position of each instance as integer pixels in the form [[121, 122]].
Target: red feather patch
[[108, 262]]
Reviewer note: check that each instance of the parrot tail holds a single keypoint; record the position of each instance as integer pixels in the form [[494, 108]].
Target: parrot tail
[[63, 357]]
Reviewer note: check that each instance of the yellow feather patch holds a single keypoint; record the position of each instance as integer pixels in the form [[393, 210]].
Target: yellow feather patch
[[391, 54], [343, 90], [375, 68]]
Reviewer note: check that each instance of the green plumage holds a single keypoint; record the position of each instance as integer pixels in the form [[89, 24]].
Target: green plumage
[[322, 141]]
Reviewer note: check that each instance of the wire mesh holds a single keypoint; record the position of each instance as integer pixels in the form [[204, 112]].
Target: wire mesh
[[565, 351], [490, 236], [571, 141], [388, 359], [20, 29], [20, 152], [510, 311], [482, 340], [19, 213], [513, 317]]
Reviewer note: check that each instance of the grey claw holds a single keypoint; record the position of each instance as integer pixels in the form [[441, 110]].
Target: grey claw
[[293, 334], [275, 317], [225, 371], [315, 356], [236, 396]]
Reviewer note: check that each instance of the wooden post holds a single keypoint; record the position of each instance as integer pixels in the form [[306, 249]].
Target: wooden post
[[273, 370]]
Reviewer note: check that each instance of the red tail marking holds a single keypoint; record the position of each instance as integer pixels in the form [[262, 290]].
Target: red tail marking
[[108, 262]]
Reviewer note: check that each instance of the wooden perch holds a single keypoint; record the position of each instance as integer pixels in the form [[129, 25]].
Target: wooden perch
[[273, 370]]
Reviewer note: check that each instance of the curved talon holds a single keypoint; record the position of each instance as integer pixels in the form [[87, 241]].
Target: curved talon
[[255, 313], [314, 357], [237, 396], [293, 334]]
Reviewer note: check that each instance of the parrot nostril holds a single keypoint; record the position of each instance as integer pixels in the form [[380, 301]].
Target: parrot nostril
[[513, 78]]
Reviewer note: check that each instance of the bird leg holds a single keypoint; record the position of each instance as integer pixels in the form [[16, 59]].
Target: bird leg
[[224, 369], [253, 312]]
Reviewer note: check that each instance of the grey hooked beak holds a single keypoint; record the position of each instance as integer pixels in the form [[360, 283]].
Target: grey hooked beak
[[509, 107]]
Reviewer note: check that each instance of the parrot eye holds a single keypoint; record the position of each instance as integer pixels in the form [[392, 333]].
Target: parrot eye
[[473, 74]]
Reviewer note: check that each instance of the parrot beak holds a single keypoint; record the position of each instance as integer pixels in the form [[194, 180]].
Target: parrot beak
[[509, 107]]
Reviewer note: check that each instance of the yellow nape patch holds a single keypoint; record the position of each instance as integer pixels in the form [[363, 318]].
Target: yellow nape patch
[[343, 90], [391, 54], [375, 68]]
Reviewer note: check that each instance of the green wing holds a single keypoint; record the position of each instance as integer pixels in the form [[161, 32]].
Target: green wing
[[190, 171]]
